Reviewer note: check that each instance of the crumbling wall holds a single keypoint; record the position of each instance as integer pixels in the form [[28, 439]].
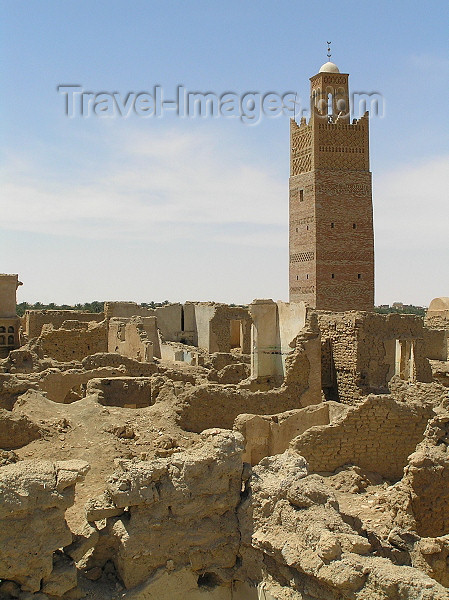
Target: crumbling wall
[[65, 386], [34, 496], [211, 405], [169, 316], [275, 326], [426, 479], [11, 386], [72, 343], [169, 321], [16, 430], [135, 338], [297, 543], [230, 327], [362, 351], [266, 435], [180, 509], [437, 343], [34, 320], [132, 368], [377, 435], [127, 392]]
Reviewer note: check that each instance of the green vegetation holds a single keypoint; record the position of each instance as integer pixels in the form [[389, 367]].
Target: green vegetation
[[93, 307], [154, 304]]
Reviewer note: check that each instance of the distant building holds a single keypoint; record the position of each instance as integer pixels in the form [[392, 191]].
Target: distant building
[[9, 321]]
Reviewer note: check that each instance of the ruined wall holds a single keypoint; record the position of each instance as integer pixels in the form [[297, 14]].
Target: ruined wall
[[169, 321], [68, 386], [266, 359], [194, 494], [266, 435], [275, 325], [130, 367], [426, 480], [377, 435], [33, 498], [127, 392], [203, 313], [73, 344], [169, 316], [219, 327], [362, 351], [223, 324], [210, 405], [16, 430], [437, 343], [34, 320], [126, 310], [298, 544], [136, 338]]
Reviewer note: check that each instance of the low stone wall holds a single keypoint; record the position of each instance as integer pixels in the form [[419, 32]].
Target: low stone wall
[[34, 320], [266, 435], [131, 367], [377, 435], [68, 386], [211, 405], [126, 392]]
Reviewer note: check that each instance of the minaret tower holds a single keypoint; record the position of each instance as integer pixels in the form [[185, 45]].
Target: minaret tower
[[331, 213]]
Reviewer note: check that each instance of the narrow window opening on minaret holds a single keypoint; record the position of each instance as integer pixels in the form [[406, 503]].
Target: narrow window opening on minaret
[[332, 225], [359, 276], [307, 228], [307, 277], [333, 276], [296, 230], [297, 277], [354, 225], [301, 195]]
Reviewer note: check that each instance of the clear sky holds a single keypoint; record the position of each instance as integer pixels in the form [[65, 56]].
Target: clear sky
[[104, 207]]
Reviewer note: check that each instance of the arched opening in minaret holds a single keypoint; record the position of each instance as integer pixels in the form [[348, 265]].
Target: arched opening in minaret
[[330, 105]]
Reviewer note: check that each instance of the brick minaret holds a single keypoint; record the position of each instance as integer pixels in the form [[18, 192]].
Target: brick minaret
[[331, 214]]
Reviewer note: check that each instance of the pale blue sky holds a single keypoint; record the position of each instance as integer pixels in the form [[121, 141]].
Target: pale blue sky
[[196, 209]]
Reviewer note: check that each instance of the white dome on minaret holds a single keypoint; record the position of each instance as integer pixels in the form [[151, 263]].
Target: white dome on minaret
[[329, 67]]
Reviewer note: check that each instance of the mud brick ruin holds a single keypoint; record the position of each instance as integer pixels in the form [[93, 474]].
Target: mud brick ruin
[[280, 451]]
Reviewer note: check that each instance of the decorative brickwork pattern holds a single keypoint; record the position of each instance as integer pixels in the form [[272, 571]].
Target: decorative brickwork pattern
[[302, 256], [331, 236], [301, 147]]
